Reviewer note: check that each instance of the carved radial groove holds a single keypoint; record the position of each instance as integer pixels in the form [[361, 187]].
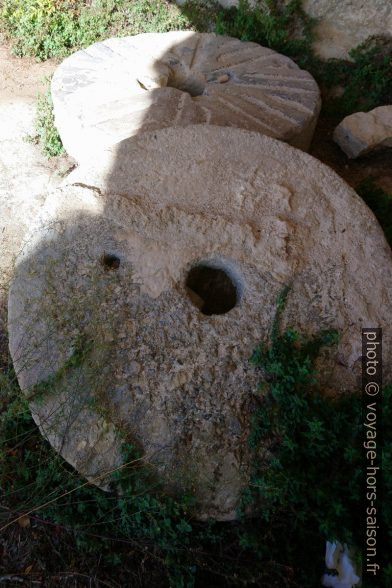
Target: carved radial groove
[[221, 78]]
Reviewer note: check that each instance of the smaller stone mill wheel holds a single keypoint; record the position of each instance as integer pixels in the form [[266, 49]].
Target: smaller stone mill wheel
[[163, 258], [122, 86]]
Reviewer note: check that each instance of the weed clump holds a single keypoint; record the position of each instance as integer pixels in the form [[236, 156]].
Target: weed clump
[[286, 29], [55, 28], [46, 134]]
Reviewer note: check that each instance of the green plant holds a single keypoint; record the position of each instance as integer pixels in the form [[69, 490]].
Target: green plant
[[304, 484], [305, 427], [380, 202], [269, 24], [366, 80], [54, 28], [306, 445], [369, 82], [46, 135], [151, 16], [42, 28]]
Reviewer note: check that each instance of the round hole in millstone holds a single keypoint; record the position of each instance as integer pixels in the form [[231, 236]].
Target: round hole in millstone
[[211, 289], [193, 86], [110, 261]]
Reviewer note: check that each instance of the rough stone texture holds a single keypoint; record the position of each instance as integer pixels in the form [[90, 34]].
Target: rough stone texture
[[362, 132], [176, 380], [344, 24], [123, 86]]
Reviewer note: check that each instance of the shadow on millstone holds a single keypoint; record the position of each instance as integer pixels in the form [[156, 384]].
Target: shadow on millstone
[[109, 301], [104, 362], [153, 273]]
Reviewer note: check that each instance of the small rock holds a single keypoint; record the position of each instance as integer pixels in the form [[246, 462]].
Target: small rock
[[223, 78], [363, 132], [24, 521]]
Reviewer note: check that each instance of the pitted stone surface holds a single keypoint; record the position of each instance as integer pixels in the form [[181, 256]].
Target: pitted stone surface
[[363, 132], [110, 262], [342, 25], [123, 86]]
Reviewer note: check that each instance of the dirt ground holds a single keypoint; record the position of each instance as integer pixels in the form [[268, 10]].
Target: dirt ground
[[42, 554], [22, 78]]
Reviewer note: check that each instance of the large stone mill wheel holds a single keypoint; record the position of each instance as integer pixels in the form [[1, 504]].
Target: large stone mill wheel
[[163, 259], [121, 87]]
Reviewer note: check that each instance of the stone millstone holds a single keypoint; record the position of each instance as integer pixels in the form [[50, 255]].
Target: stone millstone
[[163, 259], [123, 86], [363, 132]]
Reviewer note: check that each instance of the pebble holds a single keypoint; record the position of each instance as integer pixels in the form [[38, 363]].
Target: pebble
[[223, 78]]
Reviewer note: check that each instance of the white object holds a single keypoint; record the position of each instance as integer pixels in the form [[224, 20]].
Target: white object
[[337, 557]]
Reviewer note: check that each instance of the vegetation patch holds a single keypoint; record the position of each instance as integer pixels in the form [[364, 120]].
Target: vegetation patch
[[366, 82], [304, 486], [46, 134], [285, 28], [380, 202], [55, 28]]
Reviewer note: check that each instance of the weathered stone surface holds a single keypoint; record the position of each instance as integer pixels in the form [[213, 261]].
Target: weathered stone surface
[[362, 132], [115, 259], [120, 87], [344, 24]]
